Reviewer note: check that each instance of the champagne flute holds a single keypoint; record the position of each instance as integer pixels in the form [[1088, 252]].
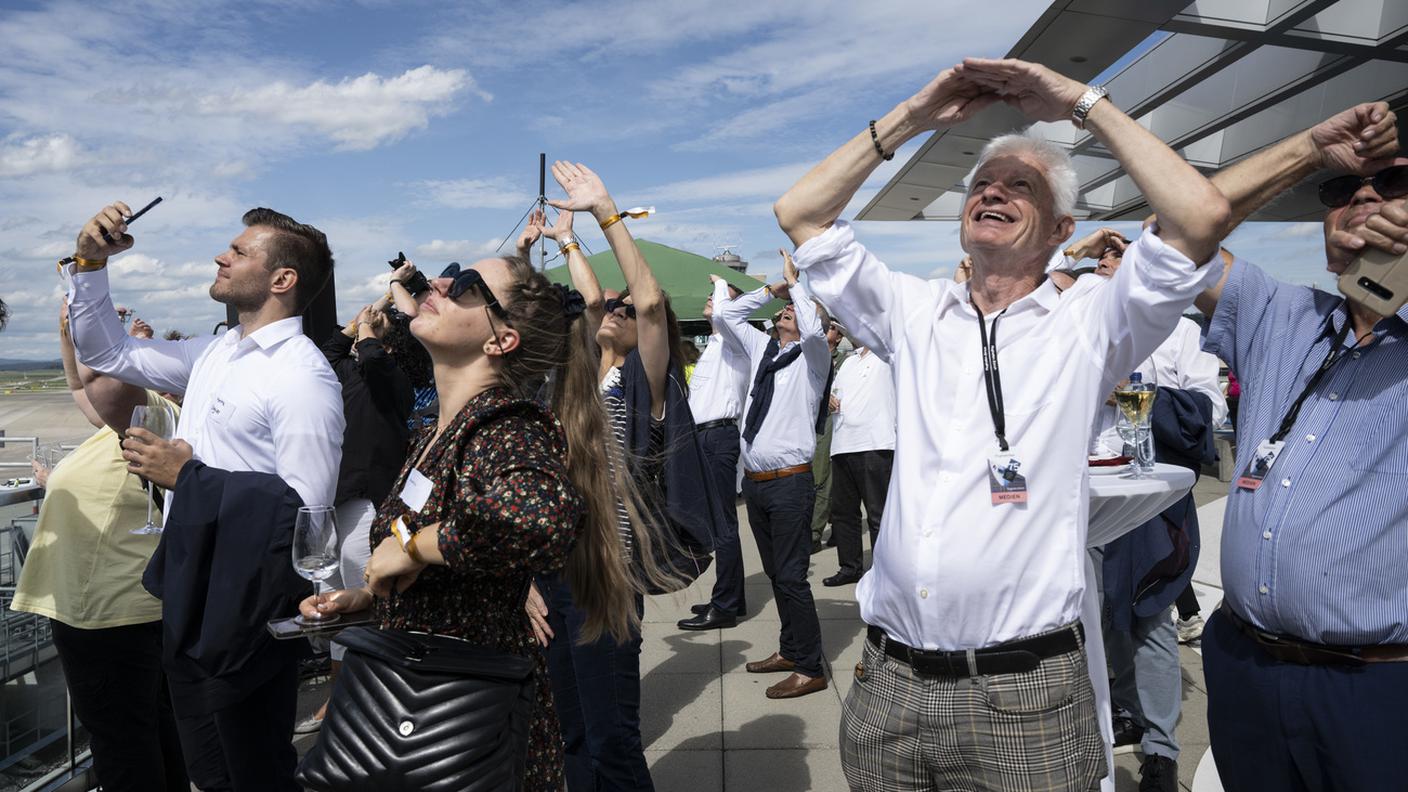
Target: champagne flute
[[160, 421], [315, 554]]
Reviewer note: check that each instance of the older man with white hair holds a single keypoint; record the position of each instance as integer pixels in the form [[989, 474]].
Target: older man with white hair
[[974, 675]]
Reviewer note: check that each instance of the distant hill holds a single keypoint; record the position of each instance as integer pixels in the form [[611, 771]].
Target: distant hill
[[29, 365]]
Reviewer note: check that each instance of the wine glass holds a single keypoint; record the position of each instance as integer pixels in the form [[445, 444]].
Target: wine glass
[[1136, 403], [315, 554], [160, 421]]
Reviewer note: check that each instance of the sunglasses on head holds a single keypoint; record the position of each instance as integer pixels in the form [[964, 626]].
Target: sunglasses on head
[[1389, 183], [466, 279], [616, 303]]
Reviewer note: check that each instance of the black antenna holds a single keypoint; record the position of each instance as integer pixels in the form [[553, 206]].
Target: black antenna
[[543, 207]]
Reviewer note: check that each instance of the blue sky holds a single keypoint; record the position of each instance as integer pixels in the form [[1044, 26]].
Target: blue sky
[[416, 126]]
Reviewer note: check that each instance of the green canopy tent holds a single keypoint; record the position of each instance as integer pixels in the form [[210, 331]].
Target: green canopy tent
[[684, 275]]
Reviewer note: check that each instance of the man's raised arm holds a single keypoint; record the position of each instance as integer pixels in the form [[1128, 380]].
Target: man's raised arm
[[1192, 213], [98, 336], [1359, 140], [814, 203], [731, 320]]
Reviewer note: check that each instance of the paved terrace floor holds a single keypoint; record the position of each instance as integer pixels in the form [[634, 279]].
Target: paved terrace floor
[[708, 726]]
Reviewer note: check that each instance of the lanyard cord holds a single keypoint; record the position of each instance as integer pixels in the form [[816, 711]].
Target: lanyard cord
[[1336, 352], [992, 377]]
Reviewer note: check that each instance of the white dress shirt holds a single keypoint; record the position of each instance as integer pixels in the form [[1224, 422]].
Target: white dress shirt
[[1179, 362], [267, 403], [787, 437], [865, 387], [720, 381], [953, 571]]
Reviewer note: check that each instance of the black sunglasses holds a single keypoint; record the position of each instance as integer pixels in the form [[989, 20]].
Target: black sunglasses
[[466, 279], [1389, 183], [616, 303]]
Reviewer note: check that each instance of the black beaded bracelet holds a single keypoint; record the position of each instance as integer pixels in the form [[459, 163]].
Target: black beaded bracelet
[[875, 138]]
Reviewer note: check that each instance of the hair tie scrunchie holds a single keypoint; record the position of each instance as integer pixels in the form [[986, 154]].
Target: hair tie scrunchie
[[573, 304]]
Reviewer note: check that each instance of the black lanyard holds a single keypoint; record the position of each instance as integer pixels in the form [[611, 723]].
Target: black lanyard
[[1336, 352], [992, 377]]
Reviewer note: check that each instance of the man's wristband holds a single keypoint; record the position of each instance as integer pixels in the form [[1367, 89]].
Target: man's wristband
[[569, 247], [610, 221]]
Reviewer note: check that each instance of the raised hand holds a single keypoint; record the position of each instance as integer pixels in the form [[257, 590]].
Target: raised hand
[[789, 267], [403, 272], [560, 229], [585, 190], [91, 244], [140, 329], [1357, 140], [1093, 245], [531, 232], [1040, 93], [964, 273], [948, 99], [1386, 229]]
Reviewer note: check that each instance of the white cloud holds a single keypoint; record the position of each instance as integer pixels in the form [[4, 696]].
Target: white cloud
[[136, 264], [24, 156], [497, 193], [768, 182], [447, 249], [358, 113]]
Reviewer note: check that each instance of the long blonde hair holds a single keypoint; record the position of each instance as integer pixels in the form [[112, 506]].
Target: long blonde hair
[[598, 571]]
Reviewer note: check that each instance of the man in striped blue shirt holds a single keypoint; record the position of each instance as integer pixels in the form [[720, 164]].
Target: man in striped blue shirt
[[1307, 659]]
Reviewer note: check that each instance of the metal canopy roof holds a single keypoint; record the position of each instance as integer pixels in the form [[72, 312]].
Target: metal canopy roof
[[1216, 79]]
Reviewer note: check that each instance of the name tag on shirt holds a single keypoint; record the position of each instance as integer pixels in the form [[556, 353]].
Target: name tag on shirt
[[417, 491], [1005, 478], [1260, 466]]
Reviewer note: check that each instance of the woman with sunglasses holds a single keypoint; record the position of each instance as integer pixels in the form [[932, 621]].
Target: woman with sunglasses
[[500, 489], [641, 381]]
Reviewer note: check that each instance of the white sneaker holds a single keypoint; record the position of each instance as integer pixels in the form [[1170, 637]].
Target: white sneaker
[[1190, 630], [309, 725]]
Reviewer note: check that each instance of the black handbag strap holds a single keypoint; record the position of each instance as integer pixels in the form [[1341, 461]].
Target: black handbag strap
[[436, 653]]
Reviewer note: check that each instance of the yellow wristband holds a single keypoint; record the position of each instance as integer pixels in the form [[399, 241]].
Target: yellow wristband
[[88, 265], [571, 246], [610, 221]]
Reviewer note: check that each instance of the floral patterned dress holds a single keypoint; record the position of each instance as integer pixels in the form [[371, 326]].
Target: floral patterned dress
[[507, 512]]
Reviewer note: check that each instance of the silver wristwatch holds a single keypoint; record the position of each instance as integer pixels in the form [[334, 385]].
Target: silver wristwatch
[[565, 241], [1087, 100]]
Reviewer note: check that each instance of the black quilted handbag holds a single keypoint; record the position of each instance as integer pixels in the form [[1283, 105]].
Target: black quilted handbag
[[412, 712]]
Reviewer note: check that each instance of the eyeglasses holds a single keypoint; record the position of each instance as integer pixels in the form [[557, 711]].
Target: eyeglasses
[[1389, 183], [466, 279], [616, 303]]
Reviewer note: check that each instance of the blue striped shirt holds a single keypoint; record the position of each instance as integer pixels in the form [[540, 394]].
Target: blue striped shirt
[[1320, 551]]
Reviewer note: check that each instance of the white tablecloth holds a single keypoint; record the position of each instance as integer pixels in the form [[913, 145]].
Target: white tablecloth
[[1118, 505]]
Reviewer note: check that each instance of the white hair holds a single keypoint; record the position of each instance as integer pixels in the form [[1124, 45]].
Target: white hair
[[1054, 161]]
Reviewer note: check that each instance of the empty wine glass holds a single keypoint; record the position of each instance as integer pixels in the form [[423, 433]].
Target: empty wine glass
[[315, 554], [160, 421]]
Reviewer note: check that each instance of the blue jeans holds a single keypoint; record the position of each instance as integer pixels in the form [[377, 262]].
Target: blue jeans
[[721, 451], [596, 691], [780, 514], [1148, 680]]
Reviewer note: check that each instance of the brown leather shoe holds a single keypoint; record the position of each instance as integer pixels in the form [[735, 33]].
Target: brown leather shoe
[[796, 685], [771, 665]]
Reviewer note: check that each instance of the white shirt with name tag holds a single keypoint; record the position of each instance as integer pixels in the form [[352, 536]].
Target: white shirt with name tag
[[268, 402], [721, 378], [953, 570]]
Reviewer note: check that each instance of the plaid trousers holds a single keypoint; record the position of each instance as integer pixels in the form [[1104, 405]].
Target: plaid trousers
[[902, 731]]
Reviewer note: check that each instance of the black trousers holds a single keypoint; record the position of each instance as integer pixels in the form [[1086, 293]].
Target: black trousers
[[247, 747], [780, 513], [856, 478], [1187, 602], [721, 452], [1299, 728], [119, 693]]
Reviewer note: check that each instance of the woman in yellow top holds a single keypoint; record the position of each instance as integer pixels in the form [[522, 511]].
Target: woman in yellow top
[[84, 572]]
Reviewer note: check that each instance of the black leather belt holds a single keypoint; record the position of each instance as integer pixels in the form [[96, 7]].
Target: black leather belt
[[1012, 657], [716, 424]]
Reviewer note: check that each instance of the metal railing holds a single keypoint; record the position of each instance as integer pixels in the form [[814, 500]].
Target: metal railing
[[43, 748]]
